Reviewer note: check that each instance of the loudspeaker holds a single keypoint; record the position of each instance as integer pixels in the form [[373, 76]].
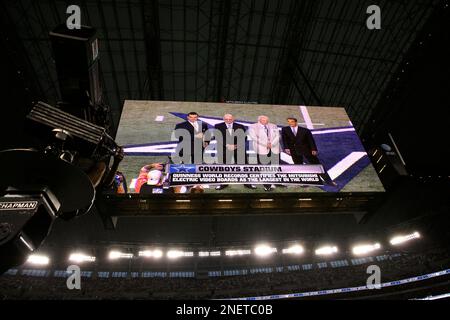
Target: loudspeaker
[[77, 65]]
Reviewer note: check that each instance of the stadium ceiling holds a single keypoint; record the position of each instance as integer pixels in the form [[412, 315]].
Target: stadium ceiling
[[315, 52]]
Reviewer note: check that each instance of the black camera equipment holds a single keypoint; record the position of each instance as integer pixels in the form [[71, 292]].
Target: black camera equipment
[[59, 179]]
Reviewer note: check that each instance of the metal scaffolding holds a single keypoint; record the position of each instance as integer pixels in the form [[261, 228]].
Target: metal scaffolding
[[268, 51]]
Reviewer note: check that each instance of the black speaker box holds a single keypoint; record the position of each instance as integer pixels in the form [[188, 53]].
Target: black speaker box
[[77, 64]]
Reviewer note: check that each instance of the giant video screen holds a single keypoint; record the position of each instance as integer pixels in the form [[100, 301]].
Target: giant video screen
[[194, 147]]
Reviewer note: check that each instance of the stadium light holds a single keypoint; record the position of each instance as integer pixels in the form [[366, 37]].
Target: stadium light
[[38, 260], [295, 249], [264, 250], [209, 254], [174, 254], [405, 238], [365, 248], [80, 257], [326, 251], [237, 252], [151, 254], [114, 255]]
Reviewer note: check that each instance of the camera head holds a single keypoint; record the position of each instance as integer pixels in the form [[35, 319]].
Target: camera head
[[36, 188]]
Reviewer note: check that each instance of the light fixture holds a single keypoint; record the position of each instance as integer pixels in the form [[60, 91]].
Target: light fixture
[[237, 252], [151, 253], [404, 238], [174, 254], [114, 255], [80, 257], [38, 260], [295, 249], [264, 250], [326, 250], [365, 248]]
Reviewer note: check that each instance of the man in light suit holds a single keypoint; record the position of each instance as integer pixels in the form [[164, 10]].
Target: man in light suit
[[266, 143]]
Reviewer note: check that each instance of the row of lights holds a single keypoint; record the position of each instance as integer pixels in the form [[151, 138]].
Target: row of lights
[[262, 250]]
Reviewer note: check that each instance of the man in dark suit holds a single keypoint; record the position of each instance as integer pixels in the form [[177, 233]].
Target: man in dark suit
[[198, 136], [231, 144], [299, 144]]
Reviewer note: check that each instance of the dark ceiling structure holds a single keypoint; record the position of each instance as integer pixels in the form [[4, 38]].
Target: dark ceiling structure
[[276, 52]]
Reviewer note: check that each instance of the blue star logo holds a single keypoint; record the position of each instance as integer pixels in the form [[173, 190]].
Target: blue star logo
[[182, 168]]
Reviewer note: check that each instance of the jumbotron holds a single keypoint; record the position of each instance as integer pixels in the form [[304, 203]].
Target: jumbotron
[[237, 168]]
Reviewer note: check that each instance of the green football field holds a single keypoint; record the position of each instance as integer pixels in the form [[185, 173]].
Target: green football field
[[148, 123]]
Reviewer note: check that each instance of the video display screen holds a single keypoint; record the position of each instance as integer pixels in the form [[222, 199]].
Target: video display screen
[[194, 147]]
